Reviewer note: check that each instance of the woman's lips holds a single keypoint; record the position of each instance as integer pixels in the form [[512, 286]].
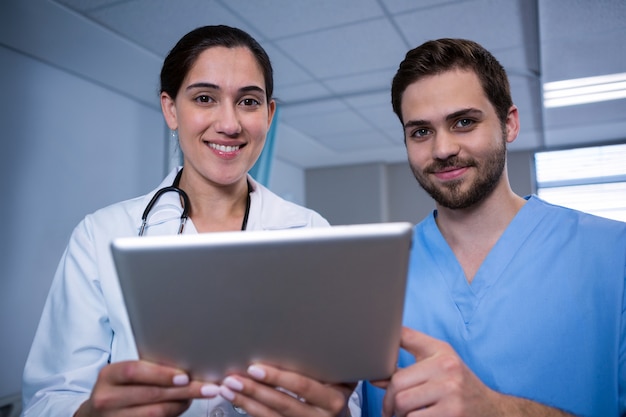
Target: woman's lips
[[225, 151]]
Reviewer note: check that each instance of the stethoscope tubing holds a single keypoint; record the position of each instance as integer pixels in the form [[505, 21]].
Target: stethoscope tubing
[[185, 205]]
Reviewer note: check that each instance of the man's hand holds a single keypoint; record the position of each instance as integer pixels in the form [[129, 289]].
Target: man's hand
[[440, 384]]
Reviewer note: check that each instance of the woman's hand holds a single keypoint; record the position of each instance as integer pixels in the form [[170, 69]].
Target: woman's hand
[[139, 388], [271, 392]]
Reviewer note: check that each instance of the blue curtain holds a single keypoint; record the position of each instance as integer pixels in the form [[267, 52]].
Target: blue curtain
[[262, 168]]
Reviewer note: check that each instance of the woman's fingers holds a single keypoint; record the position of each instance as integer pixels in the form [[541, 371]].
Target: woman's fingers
[[142, 372], [308, 389], [142, 387], [269, 391], [261, 400]]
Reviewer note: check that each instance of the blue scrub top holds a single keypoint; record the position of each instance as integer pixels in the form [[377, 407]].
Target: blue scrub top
[[544, 316]]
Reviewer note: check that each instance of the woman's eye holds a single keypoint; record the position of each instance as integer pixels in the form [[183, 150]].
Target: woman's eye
[[250, 102], [203, 99]]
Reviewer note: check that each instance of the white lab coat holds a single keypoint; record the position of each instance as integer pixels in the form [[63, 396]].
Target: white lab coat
[[84, 324]]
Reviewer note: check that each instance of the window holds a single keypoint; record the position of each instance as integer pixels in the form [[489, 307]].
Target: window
[[591, 179]]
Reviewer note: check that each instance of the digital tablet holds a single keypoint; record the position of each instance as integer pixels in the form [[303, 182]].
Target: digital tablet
[[325, 302]]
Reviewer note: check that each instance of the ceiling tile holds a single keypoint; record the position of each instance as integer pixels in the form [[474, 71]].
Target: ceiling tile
[[403, 6], [519, 61], [373, 45], [372, 81], [578, 19], [494, 24], [88, 5], [278, 19], [376, 108], [301, 150], [357, 140], [298, 93], [383, 118], [158, 24], [375, 99], [322, 124], [286, 71], [577, 57], [313, 108]]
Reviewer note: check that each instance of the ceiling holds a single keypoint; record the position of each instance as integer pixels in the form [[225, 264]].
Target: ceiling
[[334, 61]]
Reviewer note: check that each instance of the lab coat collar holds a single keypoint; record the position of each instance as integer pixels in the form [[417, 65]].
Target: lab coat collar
[[267, 210]]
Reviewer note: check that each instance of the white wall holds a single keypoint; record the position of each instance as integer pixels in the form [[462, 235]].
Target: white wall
[[287, 181], [69, 147], [71, 143], [348, 195]]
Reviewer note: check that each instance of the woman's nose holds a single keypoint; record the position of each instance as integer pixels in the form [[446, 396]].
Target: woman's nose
[[227, 121]]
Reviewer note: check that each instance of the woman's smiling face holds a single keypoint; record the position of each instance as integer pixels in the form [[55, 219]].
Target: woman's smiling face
[[222, 115]]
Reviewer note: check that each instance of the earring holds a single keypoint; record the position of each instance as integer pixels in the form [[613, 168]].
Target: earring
[[175, 156]]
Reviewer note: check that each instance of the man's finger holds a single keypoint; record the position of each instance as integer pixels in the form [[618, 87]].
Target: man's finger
[[420, 345]]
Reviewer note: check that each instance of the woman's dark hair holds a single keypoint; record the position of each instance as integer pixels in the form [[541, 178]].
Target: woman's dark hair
[[185, 53], [437, 56]]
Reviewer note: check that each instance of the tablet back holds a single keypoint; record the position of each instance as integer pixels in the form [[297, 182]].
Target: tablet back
[[326, 302]]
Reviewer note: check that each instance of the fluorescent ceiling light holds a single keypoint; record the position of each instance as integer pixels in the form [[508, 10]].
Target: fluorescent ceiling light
[[584, 90]]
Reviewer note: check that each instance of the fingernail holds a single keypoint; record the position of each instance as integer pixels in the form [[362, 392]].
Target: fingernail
[[210, 390], [256, 372], [226, 393], [233, 383], [181, 379]]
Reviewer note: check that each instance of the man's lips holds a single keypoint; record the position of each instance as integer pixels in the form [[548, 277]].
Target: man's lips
[[449, 173]]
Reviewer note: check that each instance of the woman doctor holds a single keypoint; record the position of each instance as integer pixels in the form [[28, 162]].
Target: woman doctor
[[216, 92]]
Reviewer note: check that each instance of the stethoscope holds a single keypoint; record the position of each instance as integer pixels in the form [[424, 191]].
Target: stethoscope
[[185, 205]]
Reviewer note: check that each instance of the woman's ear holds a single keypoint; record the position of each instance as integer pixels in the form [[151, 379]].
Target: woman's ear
[[271, 110], [168, 107]]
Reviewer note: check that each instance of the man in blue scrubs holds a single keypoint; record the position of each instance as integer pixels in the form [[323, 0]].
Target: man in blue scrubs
[[515, 307]]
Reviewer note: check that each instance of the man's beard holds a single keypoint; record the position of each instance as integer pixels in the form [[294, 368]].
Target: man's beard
[[449, 195]]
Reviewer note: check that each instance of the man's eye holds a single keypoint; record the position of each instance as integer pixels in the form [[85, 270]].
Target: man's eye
[[420, 132], [464, 122]]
